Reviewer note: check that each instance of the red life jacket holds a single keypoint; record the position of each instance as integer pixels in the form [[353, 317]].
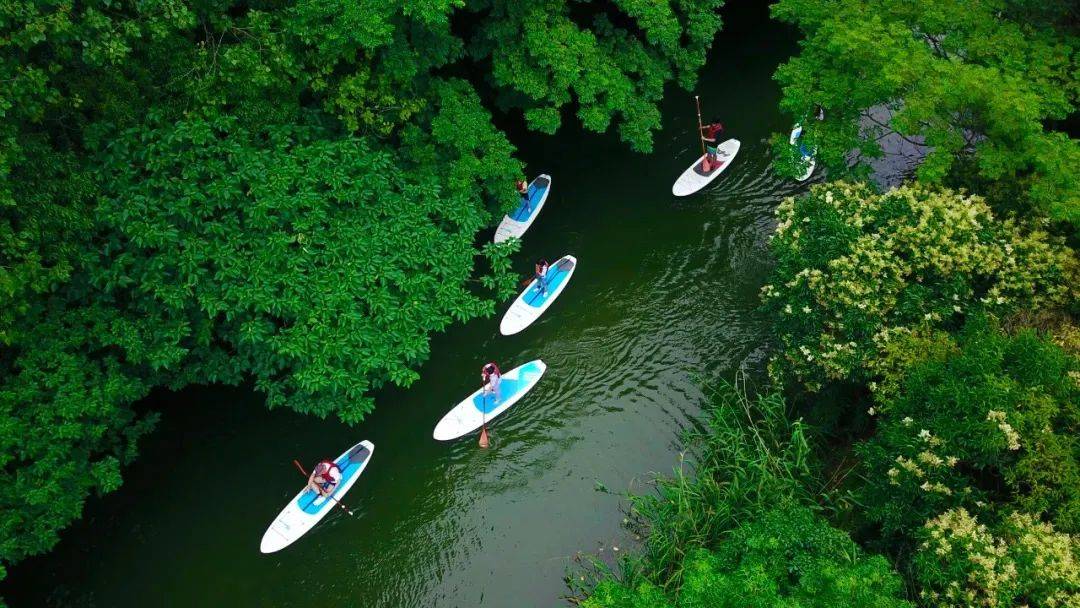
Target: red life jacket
[[711, 131], [325, 479]]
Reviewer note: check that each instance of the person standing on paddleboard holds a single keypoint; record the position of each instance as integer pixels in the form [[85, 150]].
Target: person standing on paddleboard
[[709, 134], [324, 478], [523, 189], [491, 377], [541, 276]]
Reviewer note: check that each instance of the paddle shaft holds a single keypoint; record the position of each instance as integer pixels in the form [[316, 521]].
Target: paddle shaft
[[300, 467], [700, 128]]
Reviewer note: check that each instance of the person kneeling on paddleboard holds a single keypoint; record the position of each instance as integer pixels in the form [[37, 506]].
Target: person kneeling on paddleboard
[[541, 276], [523, 189], [324, 477], [710, 133], [491, 377]]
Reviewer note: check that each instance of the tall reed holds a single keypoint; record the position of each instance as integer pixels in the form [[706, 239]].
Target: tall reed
[[748, 457]]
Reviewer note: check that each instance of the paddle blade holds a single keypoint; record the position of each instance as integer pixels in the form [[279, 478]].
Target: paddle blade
[[484, 443]]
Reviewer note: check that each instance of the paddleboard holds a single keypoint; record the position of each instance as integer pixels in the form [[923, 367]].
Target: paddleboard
[[518, 221], [796, 132], [479, 408], [694, 178], [532, 302], [308, 507]]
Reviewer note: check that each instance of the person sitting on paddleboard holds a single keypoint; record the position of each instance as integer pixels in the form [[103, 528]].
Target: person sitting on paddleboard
[[819, 115], [803, 150], [324, 477], [491, 377], [710, 133], [541, 276], [523, 189]]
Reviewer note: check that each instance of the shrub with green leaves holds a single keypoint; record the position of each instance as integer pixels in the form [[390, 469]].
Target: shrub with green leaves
[[741, 528], [988, 422], [783, 556], [749, 455], [857, 270]]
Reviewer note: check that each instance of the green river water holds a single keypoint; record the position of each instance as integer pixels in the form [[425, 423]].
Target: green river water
[[664, 298]]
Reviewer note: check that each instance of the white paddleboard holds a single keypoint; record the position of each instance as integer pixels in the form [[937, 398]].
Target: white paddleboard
[[694, 179], [796, 131], [533, 302], [479, 408], [518, 221], [307, 508]]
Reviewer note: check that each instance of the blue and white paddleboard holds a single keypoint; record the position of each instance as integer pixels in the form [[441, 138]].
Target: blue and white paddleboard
[[796, 133], [695, 178], [307, 508], [518, 221], [533, 302], [479, 408]]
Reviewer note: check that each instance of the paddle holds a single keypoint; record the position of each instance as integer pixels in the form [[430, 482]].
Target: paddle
[[697, 101], [484, 443], [339, 503]]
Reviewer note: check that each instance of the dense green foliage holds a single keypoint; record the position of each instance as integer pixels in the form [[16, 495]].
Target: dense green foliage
[[857, 270], [912, 305], [786, 556], [970, 478], [741, 528], [986, 84], [983, 421], [285, 249], [289, 193], [751, 455]]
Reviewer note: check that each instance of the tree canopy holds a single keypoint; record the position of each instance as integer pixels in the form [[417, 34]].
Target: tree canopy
[[985, 84]]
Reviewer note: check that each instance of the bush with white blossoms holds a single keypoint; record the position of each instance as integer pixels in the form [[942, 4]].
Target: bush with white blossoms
[[857, 269], [986, 421], [1020, 560]]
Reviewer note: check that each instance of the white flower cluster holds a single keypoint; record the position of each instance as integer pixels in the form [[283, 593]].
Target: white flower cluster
[[882, 245], [1012, 438]]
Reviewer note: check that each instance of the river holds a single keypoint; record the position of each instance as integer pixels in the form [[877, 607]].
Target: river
[[663, 299]]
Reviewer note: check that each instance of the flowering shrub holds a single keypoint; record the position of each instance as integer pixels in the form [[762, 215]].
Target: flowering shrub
[[857, 269], [986, 418], [1023, 560]]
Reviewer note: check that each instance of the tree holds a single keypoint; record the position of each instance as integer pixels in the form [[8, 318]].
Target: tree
[[985, 84], [543, 58], [316, 265], [857, 270]]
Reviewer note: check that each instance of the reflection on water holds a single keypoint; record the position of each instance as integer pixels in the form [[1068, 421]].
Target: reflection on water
[[665, 293]]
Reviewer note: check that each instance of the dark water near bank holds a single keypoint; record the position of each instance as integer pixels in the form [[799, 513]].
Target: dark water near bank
[[664, 295]]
